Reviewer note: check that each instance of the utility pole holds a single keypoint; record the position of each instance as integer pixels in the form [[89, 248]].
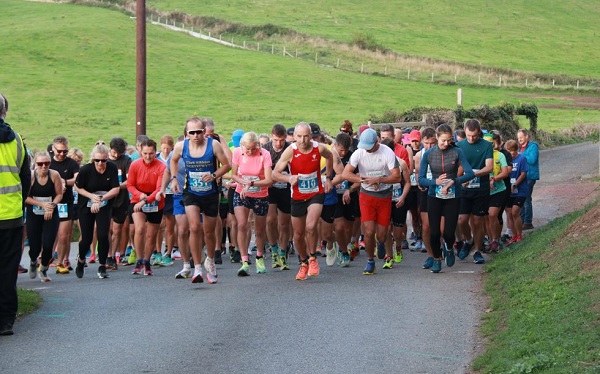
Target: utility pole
[[140, 86]]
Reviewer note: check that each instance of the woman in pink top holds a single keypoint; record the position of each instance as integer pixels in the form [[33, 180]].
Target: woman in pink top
[[251, 170]]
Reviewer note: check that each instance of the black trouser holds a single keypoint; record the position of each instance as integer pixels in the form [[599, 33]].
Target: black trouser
[[41, 235], [102, 221], [10, 256], [438, 208]]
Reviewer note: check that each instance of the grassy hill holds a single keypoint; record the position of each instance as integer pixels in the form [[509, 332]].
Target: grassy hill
[[70, 70], [551, 36]]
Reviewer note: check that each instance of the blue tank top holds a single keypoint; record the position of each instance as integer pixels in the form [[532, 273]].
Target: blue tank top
[[195, 167], [331, 196]]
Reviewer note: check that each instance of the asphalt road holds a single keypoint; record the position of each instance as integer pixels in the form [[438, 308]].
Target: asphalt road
[[404, 320]]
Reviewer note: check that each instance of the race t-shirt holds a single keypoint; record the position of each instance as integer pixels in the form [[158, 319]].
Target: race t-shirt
[[252, 168], [92, 181], [67, 170], [519, 166], [376, 164]]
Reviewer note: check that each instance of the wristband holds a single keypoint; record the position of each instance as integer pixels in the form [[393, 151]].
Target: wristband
[[172, 178]]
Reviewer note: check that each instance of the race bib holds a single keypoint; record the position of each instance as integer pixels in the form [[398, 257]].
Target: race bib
[[150, 207], [450, 195], [102, 203], [396, 191], [168, 190], [413, 179], [377, 173], [308, 183], [475, 182], [38, 210], [196, 183], [252, 178], [63, 210], [340, 188], [75, 197]]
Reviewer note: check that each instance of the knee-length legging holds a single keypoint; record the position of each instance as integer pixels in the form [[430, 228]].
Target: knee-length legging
[[436, 209], [41, 235], [87, 219]]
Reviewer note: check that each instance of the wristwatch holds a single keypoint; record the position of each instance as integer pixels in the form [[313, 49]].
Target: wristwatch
[[214, 175]]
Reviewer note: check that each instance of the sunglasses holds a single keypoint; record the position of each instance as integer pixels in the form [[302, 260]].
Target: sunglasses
[[196, 132], [40, 164], [65, 151], [101, 160]]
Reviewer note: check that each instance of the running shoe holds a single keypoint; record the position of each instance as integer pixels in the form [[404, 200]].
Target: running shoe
[[261, 268], [478, 258], [236, 257], [274, 260], [22, 270], [380, 250], [62, 269], [167, 261], [92, 259], [156, 259], [32, 269], [211, 271], [198, 278], [68, 265], [370, 268], [428, 263], [494, 246], [388, 263], [423, 248], [302, 272], [405, 244], [413, 236], [449, 256], [436, 267], [361, 245], [254, 249], [128, 250], [354, 251], [464, 252], [331, 255], [43, 271], [313, 266], [515, 239], [138, 267], [102, 274], [244, 271], [79, 268], [176, 255], [183, 273], [218, 257], [505, 238], [398, 256], [124, 261], [345, 260], [283, 264], [458, 246], [109, 263], [147, 268], [132, 257]]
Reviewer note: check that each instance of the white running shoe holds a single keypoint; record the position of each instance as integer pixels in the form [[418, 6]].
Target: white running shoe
[[332, 255], [211, 271], [184, 273]]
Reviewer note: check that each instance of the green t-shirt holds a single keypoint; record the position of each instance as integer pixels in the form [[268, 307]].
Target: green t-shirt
[[476, 155]]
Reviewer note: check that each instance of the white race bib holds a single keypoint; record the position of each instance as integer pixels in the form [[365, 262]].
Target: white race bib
[[252, 178], [475, 182], [150, 207], [413, 179], [396, 191], [63, 211], [308, 183], [102, 203], [38, 210], [340, 188], [196, 183], [451, 192]]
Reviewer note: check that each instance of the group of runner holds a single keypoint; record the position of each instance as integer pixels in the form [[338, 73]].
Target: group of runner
[[296, 190]]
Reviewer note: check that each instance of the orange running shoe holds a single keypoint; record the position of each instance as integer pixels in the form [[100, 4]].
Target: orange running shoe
[[303, 272], [313, 267]]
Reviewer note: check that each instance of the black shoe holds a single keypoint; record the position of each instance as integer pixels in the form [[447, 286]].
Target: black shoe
[[218, 258], [79, 268], [6, 329], [527, 226], [102, 272], [236, 257]]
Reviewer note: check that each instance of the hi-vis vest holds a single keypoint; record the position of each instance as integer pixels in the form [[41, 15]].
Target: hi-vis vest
[[11, 194]]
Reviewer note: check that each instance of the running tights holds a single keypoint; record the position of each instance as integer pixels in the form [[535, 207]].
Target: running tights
[[41, 235], [87, 219], [438, 208]]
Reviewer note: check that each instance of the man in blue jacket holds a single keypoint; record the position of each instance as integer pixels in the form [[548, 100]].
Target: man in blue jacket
[[531, 151]]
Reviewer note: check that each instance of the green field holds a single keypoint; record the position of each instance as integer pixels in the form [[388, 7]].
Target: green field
[[70, 70], [550, 36]]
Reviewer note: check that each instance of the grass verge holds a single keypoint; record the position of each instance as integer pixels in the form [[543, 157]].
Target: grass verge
[[29, 301], [545, 301]]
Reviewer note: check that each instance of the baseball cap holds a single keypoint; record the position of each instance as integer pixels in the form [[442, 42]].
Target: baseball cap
[[236, 136], [414, 135], [315, 130], [362, 128], [368, 138], [290, 131]]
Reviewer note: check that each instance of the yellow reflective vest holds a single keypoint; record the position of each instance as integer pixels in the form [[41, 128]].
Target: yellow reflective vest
[[12, 155]]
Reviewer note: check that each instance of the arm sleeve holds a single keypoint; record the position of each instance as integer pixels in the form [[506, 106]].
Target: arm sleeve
[[469, 174], [423, 181]]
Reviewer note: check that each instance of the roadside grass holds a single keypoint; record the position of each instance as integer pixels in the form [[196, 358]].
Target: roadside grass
[[71, 71], [550, 36], [545, 300], [29, 301]]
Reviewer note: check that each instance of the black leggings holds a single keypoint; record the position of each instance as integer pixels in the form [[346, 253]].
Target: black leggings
[[102, 221], [438, 208], [41, 235]]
